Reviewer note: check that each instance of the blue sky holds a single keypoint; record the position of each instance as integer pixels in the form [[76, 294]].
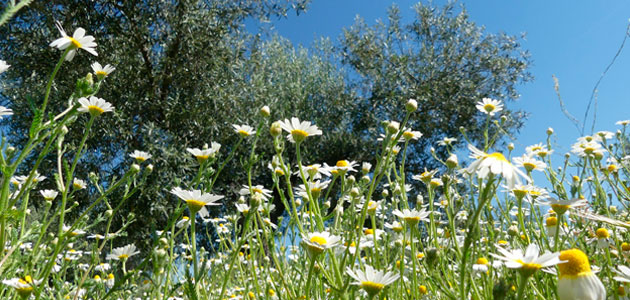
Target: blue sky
[[573, 40]]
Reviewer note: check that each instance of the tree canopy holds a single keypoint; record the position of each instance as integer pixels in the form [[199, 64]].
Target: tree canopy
[[187, 70]]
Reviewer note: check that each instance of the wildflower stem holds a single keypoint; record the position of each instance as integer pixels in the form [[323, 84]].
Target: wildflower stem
[[521, 287], [52, 78], [194, 248]]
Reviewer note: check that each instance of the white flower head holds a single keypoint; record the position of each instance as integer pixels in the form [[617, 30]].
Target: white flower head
[[23, 286], [412, 217], [494, 163], [123, 253], [244, 130], [78, 40], [317, 242], [95, 106], [3, 66], [528, 262], [5, 111], [49, 195], [196, 199], [203, 154], [140, 156], [299, 131], [371, 280], [79, 184], [576, 280], [489, 106], [102, 72]]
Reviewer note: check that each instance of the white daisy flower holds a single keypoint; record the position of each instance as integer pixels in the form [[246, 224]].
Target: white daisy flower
[[315, 187], [528, 262], [412, 217], [5, 112], [77, 41], [585, 148], [529, 163], [257, 189], [538, 150], [95, 106], [624, 274], [371, 280], [496, 164], [3, 66], [342, 166], [317, 242], [409, 134], [298, 131], [23, 286], [102, 72], [623, 122], [489, 106], [560, 206], [203, 154], [140, 156], [123, 253], [576, 280], [446, 141], [244, 130], [79, 184], [49, 195], [197, 200]]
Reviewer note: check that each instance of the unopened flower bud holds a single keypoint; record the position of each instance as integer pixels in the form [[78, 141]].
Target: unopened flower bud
[[365, 167], [393, 127], [452, 161], [109, 212], [411, 105], [150, 168], [64, 129], [365, 179], [265, 111], [275, 129], [549, 131], [354, 192], [513, 230], [327, 204], [385, 193], [135, 168], [511, 146]]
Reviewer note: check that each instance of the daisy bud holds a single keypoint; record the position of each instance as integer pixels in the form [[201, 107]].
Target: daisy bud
[[298, 202], [354, 192], [108, 213], [452, 161], [365, 167], [275, 129], [135, 168], [598, 155], [150, 168], [327, 204], [613, 209], [265, 112], [419, 200], [511, 146], [393, 127], [365, 179], [64, 129], [549, 131], [411, 105], [351, 180], [10, 150], [89, 78], [385, 193], [513, 230], [163, 242], [503, 119]]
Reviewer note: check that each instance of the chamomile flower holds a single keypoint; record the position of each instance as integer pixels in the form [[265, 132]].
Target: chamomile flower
[[317, 242], [624, 274], [585, 148], [5, 112], [343, 166], [409, 134], [78, 184], [95, 106], [489, 106], [23, 286], [623, 122], [602, 236], [494, 163], [244, 130], [49, 195], [140, 156], [123, 253], [299, 131], [3, 66], [576, 280], [102, 72], [539, 150], [78, 40], [412, 217], [371, 280], [481, 265], [315, 188], [203, 154], [529, 262], [257, 189], [560, 206], [447, 141], [197, 200], [529, 163]]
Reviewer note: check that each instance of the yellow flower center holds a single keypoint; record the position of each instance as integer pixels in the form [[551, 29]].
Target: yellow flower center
[[195, 205], [519, 193], [101, 73], [551, 221], [123, 256], [423, 290], [369, 231], [110, 276], [257, 190], [489, 107], [243, 133], [589, 150], [560, 208], [371, 287], [529, 166], [96, 277], [279, 172], [576, 264], [502, 243], [482, 261], [412, 220], [408, 135], [602, 233], [299, 134], [75, 42], [528, 268], [420, 256], [319, 240], [342, 163], [498, 156], [625, 246], [93, 109], [612, 168]]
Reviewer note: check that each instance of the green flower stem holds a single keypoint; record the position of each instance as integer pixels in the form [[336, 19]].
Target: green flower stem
[[234, 255], [521, 287], [52, 78], [309, 278], [193, 236]]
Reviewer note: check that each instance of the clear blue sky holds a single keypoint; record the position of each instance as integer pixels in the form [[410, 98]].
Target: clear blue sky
[[575, 40]]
